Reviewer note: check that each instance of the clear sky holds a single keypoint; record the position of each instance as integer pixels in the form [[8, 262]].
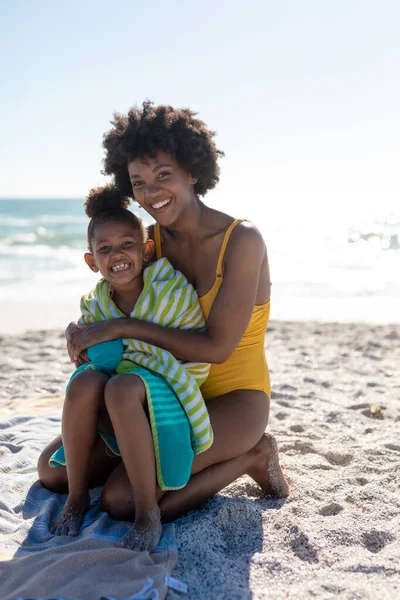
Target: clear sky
[[304, 94]]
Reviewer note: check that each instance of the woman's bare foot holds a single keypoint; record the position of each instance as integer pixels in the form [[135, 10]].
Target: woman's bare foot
[[70, 520], [145, 533], [266, 470]]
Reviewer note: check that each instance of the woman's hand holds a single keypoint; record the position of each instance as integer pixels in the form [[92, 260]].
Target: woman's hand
[[75, 342], [82, 359], [80, 337]]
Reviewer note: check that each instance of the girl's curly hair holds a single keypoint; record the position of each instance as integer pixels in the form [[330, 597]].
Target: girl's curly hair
[[107, 203], [145, 130]]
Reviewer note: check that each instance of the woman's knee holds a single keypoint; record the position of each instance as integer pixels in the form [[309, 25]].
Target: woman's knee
[[118, 503], [238, 420], [54, 479], [244, 413]]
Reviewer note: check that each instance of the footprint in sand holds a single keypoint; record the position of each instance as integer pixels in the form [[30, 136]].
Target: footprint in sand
[[359, 481], [331, 509], [241, 529], [333, 417], [320, 467], [395, 447], [337, 458], [281, 416], [298, 447], [301, 545], [297, 428], [374, 540], [278, 395]]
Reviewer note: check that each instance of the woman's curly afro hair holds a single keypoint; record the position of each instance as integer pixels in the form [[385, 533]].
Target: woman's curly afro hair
[[142, 132]]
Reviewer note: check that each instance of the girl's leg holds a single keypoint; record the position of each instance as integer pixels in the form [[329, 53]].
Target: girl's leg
[[125, 398], [79, 432], [240, 447]]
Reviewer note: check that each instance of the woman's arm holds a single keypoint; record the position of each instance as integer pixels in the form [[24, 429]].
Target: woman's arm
[[227, 322]]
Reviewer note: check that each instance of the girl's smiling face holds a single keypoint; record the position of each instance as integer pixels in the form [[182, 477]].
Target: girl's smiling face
[[118, 252], [161, 186]]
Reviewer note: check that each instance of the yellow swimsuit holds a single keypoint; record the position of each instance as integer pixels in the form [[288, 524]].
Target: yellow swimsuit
[[246, 368]]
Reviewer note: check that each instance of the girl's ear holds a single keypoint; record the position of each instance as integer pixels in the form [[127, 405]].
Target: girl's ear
[[148, 251], [193, 180], [89, 259]]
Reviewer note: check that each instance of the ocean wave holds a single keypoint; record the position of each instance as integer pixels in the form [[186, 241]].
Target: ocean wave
[[40, 251], [8, 221], [41, 235], [383, 233], [383, 240]]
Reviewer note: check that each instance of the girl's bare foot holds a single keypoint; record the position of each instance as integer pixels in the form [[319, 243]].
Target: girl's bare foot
[[266, 470], [145, 533], [70, 520]]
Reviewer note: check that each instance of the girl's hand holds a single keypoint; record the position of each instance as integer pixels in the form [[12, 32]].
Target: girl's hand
[[80, 337]]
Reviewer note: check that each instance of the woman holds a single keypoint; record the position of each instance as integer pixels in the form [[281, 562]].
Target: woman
[[166, 159]]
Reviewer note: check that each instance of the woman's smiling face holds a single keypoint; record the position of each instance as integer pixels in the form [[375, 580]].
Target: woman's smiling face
[[161, 186]]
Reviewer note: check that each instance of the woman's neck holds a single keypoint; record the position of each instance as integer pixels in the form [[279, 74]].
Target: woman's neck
[[190, 224]]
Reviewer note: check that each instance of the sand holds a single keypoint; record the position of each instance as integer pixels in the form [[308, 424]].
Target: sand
[[335, 411]]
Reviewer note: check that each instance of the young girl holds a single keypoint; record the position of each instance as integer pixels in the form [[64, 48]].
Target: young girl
[[118, 248]]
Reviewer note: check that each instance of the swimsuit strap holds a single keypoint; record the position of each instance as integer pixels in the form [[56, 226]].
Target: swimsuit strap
[[224, 245], [157, 239]]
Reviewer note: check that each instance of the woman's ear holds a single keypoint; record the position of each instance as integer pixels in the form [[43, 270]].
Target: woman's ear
[[193, 180], [89, 259], [148, 251]]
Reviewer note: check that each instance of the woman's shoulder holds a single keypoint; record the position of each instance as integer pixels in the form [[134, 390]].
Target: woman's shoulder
[[241, 227], [244, 231], [241, 239]]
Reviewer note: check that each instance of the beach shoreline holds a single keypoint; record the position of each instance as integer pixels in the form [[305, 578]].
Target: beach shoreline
[[20, 316], [335, 410]]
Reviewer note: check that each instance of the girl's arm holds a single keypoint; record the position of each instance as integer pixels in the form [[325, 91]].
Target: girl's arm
[[227, 322]]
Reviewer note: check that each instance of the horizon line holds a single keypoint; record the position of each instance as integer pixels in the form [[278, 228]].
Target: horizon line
[[42, 197]]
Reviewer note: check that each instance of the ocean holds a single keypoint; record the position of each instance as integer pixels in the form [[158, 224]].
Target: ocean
[[343, 271]]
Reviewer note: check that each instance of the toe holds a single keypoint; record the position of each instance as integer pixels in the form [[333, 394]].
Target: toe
[[75, 526]]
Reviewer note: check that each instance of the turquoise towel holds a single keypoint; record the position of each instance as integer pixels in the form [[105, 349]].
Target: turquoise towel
[[170, 430], [104, 357]]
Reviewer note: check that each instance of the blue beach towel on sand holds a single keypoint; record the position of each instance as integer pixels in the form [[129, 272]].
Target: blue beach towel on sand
[[35, 564]]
